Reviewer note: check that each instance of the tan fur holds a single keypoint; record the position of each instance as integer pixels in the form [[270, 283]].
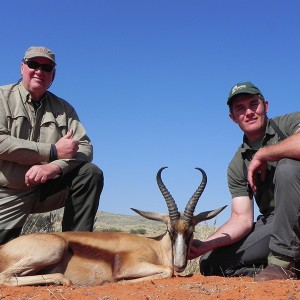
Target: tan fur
[[84, 258], [93, 258]]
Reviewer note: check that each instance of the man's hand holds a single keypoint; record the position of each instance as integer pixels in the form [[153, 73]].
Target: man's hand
[[257, 167], [195, 249], [39, 174], [66, 147]]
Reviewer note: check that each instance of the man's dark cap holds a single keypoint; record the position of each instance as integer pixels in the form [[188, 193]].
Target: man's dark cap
[[243, 88]]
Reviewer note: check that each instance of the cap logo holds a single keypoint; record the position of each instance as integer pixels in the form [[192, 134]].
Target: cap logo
[[236, 88]]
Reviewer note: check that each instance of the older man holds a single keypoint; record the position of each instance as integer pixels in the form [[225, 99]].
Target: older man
[[267, 167], [45, 153]]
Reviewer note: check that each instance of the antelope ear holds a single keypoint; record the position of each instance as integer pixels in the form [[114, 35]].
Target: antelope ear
[[152, 215], [206, 215]]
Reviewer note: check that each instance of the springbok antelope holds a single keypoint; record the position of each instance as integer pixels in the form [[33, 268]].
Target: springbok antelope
[[93, 258]]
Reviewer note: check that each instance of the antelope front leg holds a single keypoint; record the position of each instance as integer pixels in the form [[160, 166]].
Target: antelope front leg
[[56, 279], [143, 271]]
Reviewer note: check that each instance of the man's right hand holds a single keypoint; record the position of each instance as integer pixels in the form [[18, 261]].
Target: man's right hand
[[67, 147], [257, 167], [195, 249]]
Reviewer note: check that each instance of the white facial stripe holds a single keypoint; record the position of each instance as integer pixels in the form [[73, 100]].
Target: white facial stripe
[[179, 249]]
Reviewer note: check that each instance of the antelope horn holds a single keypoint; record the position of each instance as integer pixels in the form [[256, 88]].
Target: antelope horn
[[190, 207], [172, 207]]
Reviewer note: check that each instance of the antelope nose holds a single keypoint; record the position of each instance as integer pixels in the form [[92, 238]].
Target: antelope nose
[[179, 269]]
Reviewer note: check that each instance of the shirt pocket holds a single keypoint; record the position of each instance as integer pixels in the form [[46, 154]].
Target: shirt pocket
[[19, 126], [53, 128]]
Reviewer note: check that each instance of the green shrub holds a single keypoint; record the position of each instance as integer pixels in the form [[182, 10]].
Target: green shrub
[[138, 231], [111, 229], [41, 223]]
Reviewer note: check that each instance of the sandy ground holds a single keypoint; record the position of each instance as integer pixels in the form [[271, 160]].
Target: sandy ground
[[192, 287]]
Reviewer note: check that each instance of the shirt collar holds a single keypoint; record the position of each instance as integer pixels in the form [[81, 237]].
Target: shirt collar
[[25, 95], [269, 133]]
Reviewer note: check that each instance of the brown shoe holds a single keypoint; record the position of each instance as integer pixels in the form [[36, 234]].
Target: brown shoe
[[274, 272]]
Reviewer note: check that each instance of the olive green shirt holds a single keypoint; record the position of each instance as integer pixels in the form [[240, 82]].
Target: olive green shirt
[[237, 169], [26, 134]]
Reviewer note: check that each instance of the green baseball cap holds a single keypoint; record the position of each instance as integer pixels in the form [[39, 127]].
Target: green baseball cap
[[39, 51], [243, 88]]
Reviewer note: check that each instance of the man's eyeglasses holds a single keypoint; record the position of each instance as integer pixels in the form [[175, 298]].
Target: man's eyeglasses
[[35, 65]]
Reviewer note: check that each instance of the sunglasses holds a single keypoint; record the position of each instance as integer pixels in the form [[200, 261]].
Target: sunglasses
[[35, 65]]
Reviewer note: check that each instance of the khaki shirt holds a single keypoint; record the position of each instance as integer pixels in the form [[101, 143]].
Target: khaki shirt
[[26, 135], [237, 174]]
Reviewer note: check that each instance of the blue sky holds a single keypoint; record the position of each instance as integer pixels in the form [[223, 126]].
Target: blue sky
[[150, 79]]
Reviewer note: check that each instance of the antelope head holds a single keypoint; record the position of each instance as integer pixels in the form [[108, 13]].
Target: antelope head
[[181, 226]]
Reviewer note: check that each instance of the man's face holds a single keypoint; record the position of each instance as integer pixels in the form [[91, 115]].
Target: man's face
[[249, 112], [36, 81]]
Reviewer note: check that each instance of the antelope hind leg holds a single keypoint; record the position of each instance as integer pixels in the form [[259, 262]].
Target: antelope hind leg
[[143, 271]]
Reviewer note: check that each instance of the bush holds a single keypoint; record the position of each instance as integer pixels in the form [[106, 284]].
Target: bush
[[138, 231], [41, 223], [111, 229]]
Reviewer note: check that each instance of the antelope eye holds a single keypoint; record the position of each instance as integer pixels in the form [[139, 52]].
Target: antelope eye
[[171, 232]]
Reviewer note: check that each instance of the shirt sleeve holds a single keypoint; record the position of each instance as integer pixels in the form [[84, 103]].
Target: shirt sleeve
[[237, 180], [289, 123]]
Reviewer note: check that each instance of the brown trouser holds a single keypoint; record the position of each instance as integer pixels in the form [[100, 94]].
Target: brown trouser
[[78, 192]]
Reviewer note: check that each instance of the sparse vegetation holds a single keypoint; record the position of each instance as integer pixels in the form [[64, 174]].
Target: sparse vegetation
[[138, 231], [42, 223], [111, 229]]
